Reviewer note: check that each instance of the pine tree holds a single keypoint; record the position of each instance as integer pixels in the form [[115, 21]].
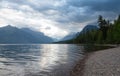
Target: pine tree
[[103, 24]]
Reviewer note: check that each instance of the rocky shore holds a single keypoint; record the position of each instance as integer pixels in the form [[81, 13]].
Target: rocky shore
[[100, 63]]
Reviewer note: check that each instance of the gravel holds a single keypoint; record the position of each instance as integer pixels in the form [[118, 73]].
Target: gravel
[[100, 63], [103, 63]]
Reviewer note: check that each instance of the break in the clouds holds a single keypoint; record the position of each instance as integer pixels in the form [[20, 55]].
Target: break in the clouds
[[56, 18]]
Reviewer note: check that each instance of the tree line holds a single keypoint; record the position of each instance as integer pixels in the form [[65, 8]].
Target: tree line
[[108, 33]]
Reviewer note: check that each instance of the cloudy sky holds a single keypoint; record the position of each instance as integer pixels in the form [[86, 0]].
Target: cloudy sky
[[56, 18]]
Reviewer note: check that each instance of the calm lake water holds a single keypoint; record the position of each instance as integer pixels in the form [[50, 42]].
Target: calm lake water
[[39, 60]]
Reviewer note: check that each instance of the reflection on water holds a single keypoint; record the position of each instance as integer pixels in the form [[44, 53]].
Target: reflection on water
[[38, 60]]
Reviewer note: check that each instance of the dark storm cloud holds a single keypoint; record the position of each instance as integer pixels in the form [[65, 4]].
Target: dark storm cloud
[[101, 5], [90, 9], [72, 5], [71, 8], [37, 5]]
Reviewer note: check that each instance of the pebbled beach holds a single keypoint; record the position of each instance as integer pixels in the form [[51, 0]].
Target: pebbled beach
[[99, 63]]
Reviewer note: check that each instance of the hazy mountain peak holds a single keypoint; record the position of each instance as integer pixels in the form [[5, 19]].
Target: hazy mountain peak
[[9, 27], [10, 34], [89, 28]]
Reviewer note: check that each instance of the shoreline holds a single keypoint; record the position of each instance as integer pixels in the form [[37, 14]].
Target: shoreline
[[80, 68]]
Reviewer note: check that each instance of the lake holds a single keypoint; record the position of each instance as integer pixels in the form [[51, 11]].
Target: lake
[[39, 59]]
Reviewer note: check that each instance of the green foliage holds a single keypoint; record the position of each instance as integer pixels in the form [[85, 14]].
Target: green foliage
[[108, 33]]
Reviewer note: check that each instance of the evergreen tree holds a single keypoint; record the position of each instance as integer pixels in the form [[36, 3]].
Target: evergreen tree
[[104, 25]]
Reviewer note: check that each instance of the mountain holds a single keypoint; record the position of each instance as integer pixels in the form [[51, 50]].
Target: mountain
[[75, 37], [14, 35], [89, 28], [85, 29], [69, 36], [40, 37]]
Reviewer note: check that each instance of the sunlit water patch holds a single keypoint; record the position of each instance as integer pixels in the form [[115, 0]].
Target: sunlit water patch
[[39, 60]]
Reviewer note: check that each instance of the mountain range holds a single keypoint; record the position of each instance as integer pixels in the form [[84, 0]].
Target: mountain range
[[14, 35], [84, 30]]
